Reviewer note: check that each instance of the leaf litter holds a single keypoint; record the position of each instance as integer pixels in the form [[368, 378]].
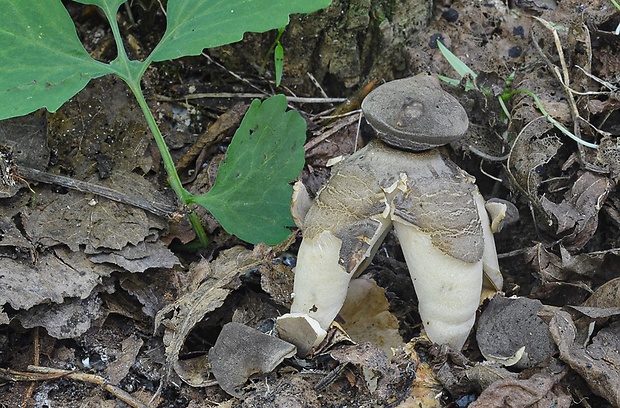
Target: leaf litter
[[108, 264]]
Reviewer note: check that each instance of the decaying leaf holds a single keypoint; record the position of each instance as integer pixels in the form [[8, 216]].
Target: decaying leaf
[[84, 220], [539, 391], [139, 258], [566, 278], [608, 154], [68, 320], [220, 278], [366, 316], [53, 278], [241, 351], [22, 142], [606, 296], [118, 369], [530, 152], [578, 212], [598, 363], [509, 332]]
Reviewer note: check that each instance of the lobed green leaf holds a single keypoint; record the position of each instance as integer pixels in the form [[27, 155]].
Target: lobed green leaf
[[194, 25], [251, 195], [43, 63]]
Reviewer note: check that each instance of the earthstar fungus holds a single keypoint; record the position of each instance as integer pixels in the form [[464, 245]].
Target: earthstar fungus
[[399, 181]]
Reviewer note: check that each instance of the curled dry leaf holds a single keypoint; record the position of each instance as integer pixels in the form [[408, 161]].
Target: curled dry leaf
[[530, 152], [578, 212], [365, 316], [220, 278], [598, 363], [539, 391], [606, 296]]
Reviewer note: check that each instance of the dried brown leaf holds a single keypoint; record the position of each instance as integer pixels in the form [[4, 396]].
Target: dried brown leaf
[[55, 276], [539, 391], [220, 278], [598, 363], [579, 209], [606, 296]]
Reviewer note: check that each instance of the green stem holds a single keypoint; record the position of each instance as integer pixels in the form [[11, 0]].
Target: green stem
[[173, 177], [132, 78]]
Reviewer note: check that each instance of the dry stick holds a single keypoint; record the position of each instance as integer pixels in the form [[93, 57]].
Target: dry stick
[[36, 357], [226, 123], [46, 373], [157, 208], [232, 95], [312, 144]]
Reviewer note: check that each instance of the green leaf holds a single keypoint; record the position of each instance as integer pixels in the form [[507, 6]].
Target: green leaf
[[278, 60], [194, 25], [251, 196], [459, 66], [43, 63]]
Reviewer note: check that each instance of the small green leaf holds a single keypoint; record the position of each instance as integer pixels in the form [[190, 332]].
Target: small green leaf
[[43, 63], [194, 25], [459, 66], [251, 196], [278, 60]]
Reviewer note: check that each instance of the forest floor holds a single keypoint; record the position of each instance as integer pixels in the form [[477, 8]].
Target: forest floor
[[102, 293]]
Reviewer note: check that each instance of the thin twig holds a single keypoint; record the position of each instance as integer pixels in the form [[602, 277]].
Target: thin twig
[[157, 208], [344, 123], [232, 95], [38, 373]]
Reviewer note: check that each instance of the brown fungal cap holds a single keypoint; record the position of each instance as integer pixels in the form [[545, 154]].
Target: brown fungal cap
[[415, 113]]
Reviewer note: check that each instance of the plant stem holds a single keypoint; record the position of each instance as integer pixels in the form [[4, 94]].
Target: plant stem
[[127, 71], [173, 177]]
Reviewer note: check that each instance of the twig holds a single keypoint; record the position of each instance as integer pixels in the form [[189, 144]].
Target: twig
[[344, 123], [231, 95], [39, 373], [36, 349], [161, 209]]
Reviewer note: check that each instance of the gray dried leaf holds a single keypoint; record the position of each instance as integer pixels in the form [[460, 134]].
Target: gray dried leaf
[[241, 351], [68, 320], [579, 209], [139, 258], [55, 276]]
